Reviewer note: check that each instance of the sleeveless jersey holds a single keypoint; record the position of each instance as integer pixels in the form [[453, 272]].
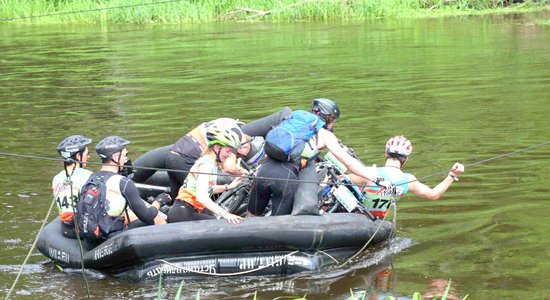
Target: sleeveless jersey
[[64, 198], [117, 202], [188, 191], [310, 149], [378, 199]]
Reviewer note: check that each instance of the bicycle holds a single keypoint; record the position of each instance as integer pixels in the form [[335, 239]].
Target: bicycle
[[337, 193], [236, 200]]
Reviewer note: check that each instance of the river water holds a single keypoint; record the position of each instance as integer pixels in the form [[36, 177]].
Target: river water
[[462, 89]]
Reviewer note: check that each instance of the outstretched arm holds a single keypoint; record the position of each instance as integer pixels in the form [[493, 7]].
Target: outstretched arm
[[328, 139], [423, 191]]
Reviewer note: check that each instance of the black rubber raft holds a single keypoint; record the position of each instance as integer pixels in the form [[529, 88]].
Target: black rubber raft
[[257, 246], [276, 245]]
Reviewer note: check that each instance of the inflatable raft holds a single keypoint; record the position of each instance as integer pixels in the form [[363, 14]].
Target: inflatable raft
[[257, 246], [278, 245]]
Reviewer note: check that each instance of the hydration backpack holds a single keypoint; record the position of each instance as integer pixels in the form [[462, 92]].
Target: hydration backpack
[[94, 223], [287, 141]]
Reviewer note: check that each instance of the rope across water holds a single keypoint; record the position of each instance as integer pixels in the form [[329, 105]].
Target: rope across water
[[16, 155]]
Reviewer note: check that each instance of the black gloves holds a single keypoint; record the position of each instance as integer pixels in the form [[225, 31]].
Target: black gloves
[[163, 199]]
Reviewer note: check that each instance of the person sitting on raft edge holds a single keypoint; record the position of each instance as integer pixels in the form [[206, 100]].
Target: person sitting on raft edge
[[66, 184], [124, 206], [397, 152], [194, 197]]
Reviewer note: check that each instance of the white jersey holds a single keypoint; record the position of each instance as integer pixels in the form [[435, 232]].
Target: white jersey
[[64, 198]]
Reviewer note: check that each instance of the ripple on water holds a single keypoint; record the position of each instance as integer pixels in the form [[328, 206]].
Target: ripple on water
[[27, 269]]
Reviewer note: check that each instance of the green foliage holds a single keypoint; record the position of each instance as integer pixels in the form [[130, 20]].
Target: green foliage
[[186, 11], [178, 294], [159, 291]]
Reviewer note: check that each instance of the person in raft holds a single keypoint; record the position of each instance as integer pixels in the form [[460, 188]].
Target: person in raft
[[66, 184], [397, 152], [300, 136], [194, 197], [122, 193], [185, 152]]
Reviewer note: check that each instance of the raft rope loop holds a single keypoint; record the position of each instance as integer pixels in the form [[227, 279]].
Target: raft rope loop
[[31, 249], [75, 223], [230, 274], [367, 243], [90, 10], [330, 256]]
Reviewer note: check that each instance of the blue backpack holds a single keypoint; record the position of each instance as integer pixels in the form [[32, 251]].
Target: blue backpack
[[287, 141]]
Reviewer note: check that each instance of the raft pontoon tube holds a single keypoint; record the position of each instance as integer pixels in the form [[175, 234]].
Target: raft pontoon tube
[[257, 246]]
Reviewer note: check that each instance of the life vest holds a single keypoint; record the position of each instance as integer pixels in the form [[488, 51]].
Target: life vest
[[188, 191], [378, 199]]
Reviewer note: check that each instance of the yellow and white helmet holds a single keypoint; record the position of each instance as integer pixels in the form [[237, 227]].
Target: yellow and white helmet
[[224, 133]]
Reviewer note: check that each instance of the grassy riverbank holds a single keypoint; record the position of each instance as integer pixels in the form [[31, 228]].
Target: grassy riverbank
[[194, 11]]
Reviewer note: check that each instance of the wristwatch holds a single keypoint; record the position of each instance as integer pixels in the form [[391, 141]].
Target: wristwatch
[[454, 177]]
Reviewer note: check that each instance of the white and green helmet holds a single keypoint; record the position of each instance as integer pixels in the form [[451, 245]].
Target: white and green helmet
[[224, 133]]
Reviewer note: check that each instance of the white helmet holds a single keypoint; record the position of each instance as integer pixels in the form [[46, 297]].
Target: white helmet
[[399, 145]]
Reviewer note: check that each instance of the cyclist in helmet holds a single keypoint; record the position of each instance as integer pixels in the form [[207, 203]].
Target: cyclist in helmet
[[194, 197], [181, 156], [122, 194], [185, 152], [66, 184], [397, 152], [316, 128]]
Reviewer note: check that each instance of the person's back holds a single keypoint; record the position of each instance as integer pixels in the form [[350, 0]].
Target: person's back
[[67, 183], [377, 198], [285, 145], [397, 152], [124, 207], [287, 141]]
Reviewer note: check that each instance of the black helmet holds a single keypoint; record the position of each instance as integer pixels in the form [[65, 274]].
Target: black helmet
[[109, 146], [72, 145], [326, 109]]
